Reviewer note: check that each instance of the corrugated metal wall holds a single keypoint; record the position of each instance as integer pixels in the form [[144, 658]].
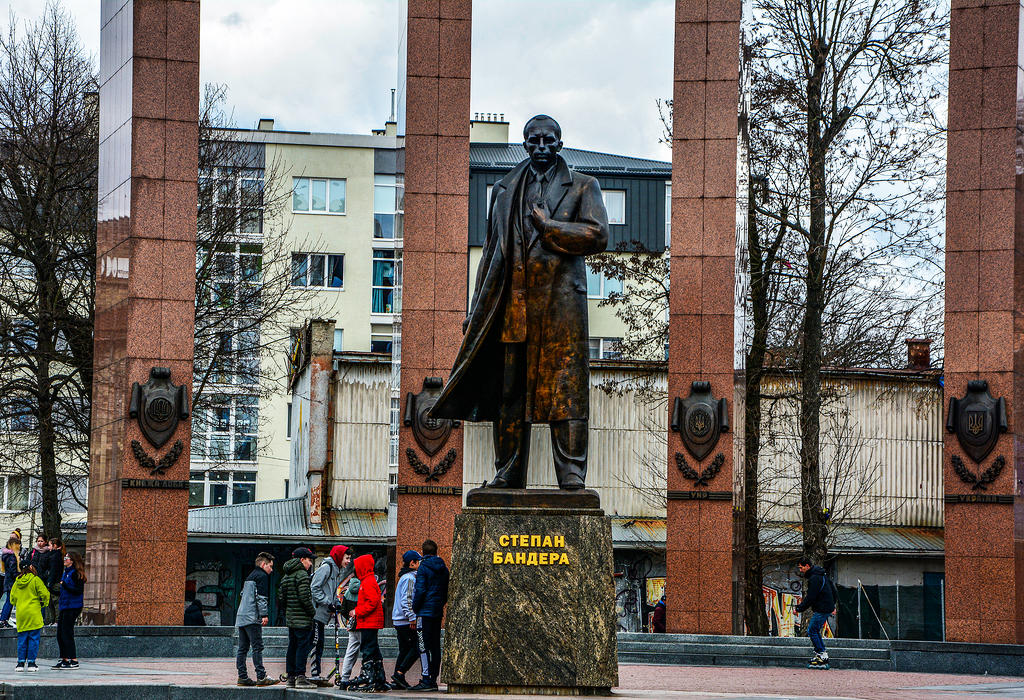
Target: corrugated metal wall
[[627, 450], [362, 414], [881, 451], [881, 447]]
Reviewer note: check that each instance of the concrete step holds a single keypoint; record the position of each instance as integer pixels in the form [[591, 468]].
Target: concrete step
[[748, 640], [800, 652], [684, 658]]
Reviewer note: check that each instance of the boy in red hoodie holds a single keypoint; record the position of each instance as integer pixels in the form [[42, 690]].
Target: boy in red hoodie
[[369, 618]]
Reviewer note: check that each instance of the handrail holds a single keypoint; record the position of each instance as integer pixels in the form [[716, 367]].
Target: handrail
[[881, 626]]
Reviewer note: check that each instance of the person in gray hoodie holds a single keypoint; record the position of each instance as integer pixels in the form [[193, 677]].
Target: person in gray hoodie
[[253, 613], [324, 587]]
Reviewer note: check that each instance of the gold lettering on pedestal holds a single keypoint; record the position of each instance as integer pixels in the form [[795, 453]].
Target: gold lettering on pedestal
[[548, 557]]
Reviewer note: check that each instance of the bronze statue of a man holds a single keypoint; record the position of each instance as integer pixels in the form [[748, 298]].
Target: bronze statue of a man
[[525, 354]]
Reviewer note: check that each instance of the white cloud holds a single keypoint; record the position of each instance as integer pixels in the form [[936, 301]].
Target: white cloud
[[327, 65]]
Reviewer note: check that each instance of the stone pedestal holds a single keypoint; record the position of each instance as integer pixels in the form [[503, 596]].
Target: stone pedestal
[[532, 602]]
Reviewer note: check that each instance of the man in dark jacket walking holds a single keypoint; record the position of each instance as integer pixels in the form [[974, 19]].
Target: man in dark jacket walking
[[253, 613], [296, 599], [428, 600], [819, 597]]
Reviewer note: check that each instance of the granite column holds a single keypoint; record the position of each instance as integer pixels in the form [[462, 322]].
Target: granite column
[[435, 258], [984, 328], [704, 137], [145, 305]]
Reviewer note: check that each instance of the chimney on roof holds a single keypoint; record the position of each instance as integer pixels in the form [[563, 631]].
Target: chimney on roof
[[919, 355], [265, 124], [488, 127]]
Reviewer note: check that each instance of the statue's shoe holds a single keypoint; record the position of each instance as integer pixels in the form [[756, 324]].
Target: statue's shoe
[[571, 483]]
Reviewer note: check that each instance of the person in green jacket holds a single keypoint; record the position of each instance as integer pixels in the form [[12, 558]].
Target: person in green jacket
[[295, 597], [29, 596]]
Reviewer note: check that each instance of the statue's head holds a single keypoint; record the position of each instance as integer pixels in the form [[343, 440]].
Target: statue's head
[[542, 139]]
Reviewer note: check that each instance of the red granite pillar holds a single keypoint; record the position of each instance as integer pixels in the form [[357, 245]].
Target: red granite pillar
[[984, 323], [435, 249], [145, 302], [699, 538]]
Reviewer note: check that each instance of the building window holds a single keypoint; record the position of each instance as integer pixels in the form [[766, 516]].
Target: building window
[[388, 206], [600, 286], [221, 488], [383, 294], [318, 270], [381, 343], [288, 425], [605, 349], [668, 214], [231, 200], [226, 431], [15, 493], [318, 195], [339, 337], [615, 203]]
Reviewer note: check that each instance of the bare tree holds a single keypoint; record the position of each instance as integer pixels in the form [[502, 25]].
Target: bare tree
[[246, 303], [48, 155], [843, 99]]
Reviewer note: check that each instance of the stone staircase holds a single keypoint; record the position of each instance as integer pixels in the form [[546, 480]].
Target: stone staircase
[[721, 650], [672, 650]]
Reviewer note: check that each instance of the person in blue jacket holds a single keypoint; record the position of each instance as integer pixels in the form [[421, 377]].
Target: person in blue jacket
[[69, 607], [428, 600], [11, 557]]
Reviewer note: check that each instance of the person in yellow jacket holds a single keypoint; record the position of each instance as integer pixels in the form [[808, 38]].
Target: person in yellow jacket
[[29, 596]]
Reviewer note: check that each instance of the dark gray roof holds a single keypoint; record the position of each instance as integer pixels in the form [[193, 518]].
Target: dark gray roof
[[286, 518], [503, 156]]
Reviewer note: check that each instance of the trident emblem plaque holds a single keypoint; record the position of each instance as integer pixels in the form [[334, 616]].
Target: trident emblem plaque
[[977, 419], [700, 419]]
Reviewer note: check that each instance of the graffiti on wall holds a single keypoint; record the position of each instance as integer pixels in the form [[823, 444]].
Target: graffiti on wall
[[213, 586], [783, 619]]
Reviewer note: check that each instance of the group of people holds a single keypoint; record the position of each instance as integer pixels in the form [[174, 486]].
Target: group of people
[[45, 585], [352, 590]]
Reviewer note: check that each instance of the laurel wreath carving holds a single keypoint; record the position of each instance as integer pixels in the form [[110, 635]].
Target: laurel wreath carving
[[703, 478], [165, 463], [422, 468], [978, 482]]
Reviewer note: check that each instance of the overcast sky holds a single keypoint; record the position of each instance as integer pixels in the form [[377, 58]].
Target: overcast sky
[[329, 65]]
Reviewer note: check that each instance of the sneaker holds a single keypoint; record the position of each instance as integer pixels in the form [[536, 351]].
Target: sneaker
[[20, 667], [245, 681], [320, 682], [290, 681], [266, 680], [398, 680], [303, 682], [32, 668], [425, 685], [61, 665], [73, 663]]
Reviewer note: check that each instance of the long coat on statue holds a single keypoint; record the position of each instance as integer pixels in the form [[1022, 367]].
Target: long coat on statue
[[536, 293]]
